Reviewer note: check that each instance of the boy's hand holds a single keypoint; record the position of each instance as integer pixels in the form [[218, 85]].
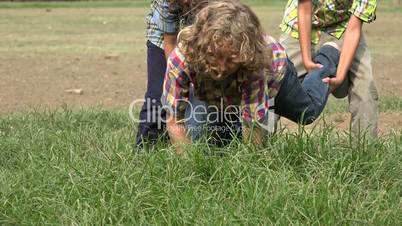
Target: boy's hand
[[310, 65], [350, 45], [334, 83], [304, 12], [178, 134], [253, 135]]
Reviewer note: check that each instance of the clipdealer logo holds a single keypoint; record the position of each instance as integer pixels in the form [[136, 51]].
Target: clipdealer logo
[[201, 113]]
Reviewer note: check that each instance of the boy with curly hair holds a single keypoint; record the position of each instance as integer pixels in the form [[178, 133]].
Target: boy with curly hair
[[226, 61]]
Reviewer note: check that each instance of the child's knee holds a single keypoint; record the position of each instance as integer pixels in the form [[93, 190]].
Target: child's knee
[[328, 57]]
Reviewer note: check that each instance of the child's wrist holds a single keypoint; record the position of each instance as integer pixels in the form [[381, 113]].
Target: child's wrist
[[340, 75], [307, 60]]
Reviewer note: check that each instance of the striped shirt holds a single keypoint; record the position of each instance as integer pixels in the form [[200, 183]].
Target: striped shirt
[[250, 92], [329, 16], [163, 18]]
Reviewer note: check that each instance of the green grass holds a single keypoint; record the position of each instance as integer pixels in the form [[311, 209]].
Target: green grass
[[105, 4], [384, 5], [74, 4], [77, 168], [98, 27], [73, 31], [103, 27]]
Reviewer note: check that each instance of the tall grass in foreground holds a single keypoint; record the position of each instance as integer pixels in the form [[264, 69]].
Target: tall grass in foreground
[[78, 168]]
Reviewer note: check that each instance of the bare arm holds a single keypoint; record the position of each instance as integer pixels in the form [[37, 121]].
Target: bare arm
[[350, 45], [254, 135], [169, 43], [304, 13], [177, 132]]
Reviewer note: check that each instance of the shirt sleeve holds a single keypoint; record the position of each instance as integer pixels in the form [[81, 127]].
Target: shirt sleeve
[[175, 97], [254, 103], [168, 21], [277, 68], [364, 10]]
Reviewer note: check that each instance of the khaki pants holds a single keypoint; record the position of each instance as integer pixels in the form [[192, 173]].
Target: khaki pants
[[359, 85]]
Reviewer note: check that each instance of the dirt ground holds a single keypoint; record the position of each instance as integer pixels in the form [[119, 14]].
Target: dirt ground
[[41, 81], [109, 80]]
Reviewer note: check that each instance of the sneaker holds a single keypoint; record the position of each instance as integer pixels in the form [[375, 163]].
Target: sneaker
[[342, 91], [333, 44]]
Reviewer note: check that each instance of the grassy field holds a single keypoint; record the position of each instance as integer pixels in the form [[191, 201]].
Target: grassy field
[[77, 167], [117, 26], [106, 4]]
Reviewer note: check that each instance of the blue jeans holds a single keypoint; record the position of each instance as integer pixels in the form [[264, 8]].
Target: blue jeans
[[300, 102], [304, 102]]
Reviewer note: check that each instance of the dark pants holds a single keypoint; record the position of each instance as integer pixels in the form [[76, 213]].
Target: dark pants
[[304, 102], [151, 127]]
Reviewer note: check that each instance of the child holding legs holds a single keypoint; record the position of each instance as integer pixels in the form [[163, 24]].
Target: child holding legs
[[307, 24]]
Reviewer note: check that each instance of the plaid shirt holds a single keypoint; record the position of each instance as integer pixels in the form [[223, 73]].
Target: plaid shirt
[[163, 18], [249, 91], [329, 16]]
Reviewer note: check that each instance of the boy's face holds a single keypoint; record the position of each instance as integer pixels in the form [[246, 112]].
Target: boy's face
[[185, 2], [223, 68], [224, 64]]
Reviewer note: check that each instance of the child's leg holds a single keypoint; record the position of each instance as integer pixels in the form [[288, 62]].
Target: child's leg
[[304, 102], [328, 56], [292, 46], [363, 95], [360, 87], [151, 130]]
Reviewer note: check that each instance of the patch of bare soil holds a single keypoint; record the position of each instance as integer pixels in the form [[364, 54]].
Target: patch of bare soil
[[387, 74], [113, 81], [109, 80], [44, 82]]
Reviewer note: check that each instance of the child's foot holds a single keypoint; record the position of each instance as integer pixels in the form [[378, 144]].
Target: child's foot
[[333, 44], [337, 92]]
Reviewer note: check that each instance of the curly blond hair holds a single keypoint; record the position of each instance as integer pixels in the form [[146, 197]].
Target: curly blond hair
[[224, 28]]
